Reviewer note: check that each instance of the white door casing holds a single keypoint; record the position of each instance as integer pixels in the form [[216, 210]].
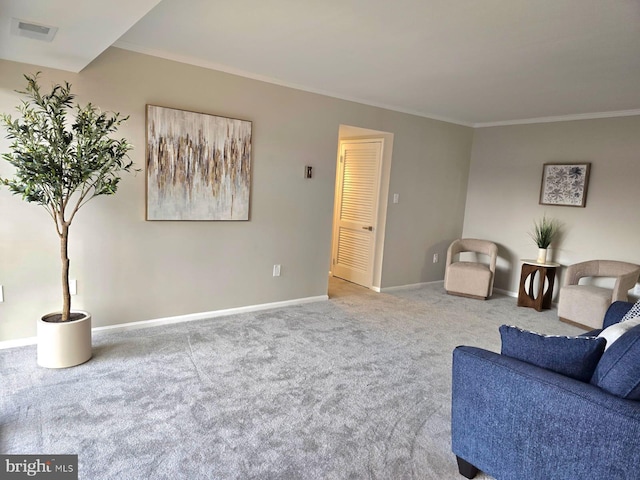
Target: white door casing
[[356, 210]]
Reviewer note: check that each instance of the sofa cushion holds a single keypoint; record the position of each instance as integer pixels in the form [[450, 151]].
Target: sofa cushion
[[615, 331], [619, 369], [575, 357]]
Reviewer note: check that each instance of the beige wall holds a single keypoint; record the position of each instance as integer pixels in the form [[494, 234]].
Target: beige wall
[[504, 186], [131, 270], [431, 179]]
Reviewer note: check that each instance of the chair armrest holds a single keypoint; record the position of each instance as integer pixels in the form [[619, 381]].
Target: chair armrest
[[624, 283], [513, 420], [571, 276], [452, 251], [493, 257], [577, 271]]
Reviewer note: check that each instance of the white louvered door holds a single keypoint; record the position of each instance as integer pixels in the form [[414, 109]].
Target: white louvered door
[[356, 211]]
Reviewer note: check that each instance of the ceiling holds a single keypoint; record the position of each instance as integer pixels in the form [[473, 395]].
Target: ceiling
[[472, 62]]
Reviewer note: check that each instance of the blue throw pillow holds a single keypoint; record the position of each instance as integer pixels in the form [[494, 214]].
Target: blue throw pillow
[[575, 357], [619, 369]]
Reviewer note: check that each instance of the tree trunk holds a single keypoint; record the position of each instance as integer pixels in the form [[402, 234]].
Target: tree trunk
[[66, 295]]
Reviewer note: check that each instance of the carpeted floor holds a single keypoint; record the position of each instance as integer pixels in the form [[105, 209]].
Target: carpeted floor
[[354, 388]]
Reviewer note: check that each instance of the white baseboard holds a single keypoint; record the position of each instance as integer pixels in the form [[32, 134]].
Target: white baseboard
[[410, 286], [506, 292], [21, 342], [418, 285]]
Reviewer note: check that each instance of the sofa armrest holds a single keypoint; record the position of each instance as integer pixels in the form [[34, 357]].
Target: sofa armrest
[[615, 312], [513, 420]]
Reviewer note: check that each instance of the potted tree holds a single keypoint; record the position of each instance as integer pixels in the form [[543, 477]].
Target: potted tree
[[64, 157], [544, 231]]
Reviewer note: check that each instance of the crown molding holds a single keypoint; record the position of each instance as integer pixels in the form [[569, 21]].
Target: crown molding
[[262, 78], [560, 118]]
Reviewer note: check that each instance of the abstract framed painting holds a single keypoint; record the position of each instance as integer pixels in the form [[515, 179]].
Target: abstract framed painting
[[565, 184], [198, 166]]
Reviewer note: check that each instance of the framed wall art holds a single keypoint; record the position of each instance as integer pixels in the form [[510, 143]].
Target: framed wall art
[[198, 166], [564, 184]]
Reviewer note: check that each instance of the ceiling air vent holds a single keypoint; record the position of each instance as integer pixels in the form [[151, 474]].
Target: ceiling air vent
[[36, 31]]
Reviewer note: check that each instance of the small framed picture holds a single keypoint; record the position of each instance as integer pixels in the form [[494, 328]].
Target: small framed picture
[[565, 184]]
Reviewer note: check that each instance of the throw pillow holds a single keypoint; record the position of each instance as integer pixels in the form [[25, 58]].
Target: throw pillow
[[619, 369], [615, 331], [632, 313], [575, 357]]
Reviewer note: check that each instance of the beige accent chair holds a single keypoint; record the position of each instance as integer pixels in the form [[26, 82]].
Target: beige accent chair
[[470, 278], [585, 305]]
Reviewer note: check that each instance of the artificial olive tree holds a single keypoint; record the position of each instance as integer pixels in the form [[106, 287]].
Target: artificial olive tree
[[64, 157]]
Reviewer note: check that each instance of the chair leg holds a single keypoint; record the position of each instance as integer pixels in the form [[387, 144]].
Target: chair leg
[[465, 468]]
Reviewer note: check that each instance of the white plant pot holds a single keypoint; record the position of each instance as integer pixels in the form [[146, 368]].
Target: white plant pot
[[64, 344], [542, 255]]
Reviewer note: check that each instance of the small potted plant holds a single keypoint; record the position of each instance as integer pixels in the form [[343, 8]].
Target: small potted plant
[[62, 161], [544, 231]]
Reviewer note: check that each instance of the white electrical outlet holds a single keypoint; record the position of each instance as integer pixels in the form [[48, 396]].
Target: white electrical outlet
[[276, 270], [396, 197], [435, 258], [1, 294], [73, 287]]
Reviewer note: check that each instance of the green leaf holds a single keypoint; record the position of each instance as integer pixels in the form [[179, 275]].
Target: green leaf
[[62, 164]]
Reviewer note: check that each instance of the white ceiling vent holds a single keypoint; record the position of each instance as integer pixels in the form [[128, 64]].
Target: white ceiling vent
[[36, 31]]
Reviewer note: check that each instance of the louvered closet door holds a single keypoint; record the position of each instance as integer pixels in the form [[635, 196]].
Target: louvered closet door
[[357, 209]]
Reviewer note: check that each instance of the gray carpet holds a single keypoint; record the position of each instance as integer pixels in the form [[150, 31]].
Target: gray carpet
[[354, 388]]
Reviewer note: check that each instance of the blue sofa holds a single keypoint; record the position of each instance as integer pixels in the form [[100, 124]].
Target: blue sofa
[[514, 420]]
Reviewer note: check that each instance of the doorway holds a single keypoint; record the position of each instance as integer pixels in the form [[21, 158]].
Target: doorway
[[360, 205]]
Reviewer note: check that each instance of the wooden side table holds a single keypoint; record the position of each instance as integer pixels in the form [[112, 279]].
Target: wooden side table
[[528, 297]]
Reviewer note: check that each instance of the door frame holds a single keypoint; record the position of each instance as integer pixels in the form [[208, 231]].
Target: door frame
[[351, 133]]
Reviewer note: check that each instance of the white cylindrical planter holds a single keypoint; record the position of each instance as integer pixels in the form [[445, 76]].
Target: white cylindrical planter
[[542, 255], [64, 344]]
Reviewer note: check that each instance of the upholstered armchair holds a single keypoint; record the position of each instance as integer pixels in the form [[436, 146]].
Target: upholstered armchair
[[586, 304], [515, 420], [470, 278]]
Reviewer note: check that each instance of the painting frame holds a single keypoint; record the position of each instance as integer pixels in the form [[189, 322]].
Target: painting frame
[[197, 166], [565, 184]]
